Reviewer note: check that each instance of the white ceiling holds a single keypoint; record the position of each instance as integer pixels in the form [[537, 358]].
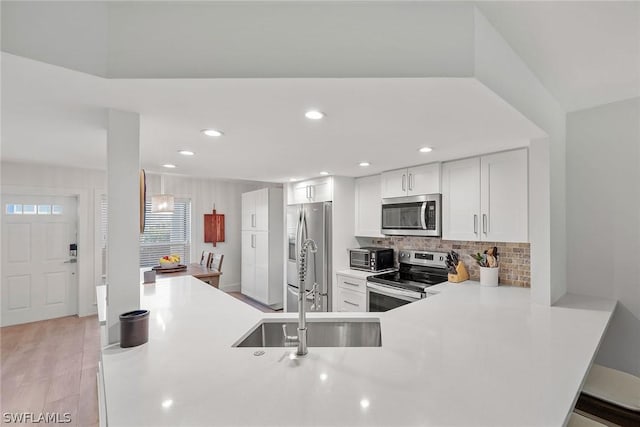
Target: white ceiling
[[57, 116], [586, 53]]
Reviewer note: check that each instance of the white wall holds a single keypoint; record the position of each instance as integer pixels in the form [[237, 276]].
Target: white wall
[[499, 67], [603, 227], [123, 217]]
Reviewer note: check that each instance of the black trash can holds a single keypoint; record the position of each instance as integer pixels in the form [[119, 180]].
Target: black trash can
[[134, 328]]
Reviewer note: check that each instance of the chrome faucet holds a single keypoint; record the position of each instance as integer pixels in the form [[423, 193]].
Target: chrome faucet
[[301, 339]]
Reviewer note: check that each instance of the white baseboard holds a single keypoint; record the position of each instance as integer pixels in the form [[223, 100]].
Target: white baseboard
[[233, 287]]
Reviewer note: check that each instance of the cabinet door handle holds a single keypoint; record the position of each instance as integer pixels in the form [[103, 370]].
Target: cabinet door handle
[[349, 283], [311, 192], [351, 303], [484, 223], [475, 224], [404, 182], [253, 240], [253, 220], [410, 181]]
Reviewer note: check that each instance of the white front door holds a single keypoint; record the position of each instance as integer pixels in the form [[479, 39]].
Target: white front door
[[38, 281]]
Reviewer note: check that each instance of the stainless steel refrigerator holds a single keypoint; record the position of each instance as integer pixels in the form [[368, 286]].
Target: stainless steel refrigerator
[[310, 221]]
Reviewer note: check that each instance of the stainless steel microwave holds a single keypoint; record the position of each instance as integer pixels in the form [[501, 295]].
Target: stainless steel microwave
[[412, 216]]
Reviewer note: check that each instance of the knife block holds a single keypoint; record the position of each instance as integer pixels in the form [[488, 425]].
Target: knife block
[[461, 274]]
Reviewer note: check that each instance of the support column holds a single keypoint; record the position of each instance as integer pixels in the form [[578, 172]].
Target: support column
[[123, 196]]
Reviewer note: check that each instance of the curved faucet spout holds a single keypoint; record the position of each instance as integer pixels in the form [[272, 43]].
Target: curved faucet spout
[[308, 246]]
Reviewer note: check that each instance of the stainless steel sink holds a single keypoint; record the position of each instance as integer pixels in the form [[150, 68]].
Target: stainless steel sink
[[357, 333]]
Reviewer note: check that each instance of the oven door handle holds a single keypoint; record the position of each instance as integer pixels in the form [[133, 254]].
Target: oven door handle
[[423, 215], [391, 292]]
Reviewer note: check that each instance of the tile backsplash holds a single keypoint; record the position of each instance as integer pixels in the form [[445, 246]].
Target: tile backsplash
[[514, 258]]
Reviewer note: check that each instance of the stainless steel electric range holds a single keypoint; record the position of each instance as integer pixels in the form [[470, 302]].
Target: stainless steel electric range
[[418, 271]]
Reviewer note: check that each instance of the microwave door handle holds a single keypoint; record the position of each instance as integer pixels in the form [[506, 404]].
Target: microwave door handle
[[423, 215]]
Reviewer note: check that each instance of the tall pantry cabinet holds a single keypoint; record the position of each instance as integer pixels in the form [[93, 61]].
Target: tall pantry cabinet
[[262, 233]]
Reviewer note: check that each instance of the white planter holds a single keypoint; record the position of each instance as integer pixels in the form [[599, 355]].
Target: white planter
[[489, 276]]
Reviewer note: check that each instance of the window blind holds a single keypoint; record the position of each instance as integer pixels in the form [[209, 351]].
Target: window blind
[[166, 234]]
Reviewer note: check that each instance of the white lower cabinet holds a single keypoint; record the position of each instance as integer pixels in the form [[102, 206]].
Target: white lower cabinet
[[261, 279], [351, 293], [351, 301], [248, 270]]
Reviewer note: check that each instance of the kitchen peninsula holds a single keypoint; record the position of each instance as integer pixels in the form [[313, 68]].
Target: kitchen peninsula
[[467, 356]]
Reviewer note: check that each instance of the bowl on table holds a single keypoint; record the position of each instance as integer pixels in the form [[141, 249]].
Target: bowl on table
[[170, 261]]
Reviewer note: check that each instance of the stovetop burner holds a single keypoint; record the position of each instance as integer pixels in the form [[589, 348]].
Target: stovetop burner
[[418, 271]]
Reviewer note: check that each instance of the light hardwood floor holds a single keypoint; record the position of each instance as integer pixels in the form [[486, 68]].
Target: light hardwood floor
[[51, 366]]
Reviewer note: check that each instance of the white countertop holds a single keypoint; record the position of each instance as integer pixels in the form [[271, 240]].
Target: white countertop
[[469, 356]]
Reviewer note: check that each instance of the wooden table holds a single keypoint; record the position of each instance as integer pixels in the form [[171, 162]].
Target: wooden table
[[207, 275]]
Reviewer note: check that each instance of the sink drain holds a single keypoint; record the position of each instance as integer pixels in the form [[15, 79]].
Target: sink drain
[[258, 353]]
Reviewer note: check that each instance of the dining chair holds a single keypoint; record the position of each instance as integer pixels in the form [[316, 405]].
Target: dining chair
[[216, 262], [205, 258]]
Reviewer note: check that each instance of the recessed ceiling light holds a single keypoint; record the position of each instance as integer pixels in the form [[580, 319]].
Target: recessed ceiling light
[[212, 132], [365, 164], [314, 115], [425, 150], [293, 179], [186, 152], [169, 166], [324, 173]]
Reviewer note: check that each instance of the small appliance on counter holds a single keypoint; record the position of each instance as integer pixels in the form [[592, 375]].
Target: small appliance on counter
[[418, 271], [371, 259]]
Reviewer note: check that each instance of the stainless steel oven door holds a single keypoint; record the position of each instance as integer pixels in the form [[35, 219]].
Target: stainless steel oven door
[[384, 298]]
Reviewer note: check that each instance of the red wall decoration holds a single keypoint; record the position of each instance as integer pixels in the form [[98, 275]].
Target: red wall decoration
[[213, 228]]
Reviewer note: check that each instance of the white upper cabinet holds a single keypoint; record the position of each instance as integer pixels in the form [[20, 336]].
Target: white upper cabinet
[[486, 198], [394, 183], [368, 206], [504, 193], [411, 181], [461, 200], [423, 180], [314, 190], [255, 210]]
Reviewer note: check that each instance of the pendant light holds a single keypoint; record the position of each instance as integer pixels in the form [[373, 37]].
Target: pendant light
[[162, 203]]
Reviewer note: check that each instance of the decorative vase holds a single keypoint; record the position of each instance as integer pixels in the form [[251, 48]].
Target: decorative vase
[[489, 276]]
